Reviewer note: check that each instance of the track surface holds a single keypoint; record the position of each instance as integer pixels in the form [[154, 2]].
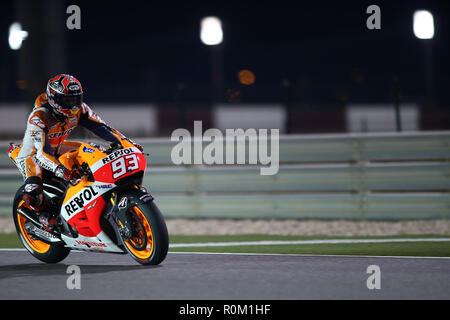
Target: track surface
[[223, 276]]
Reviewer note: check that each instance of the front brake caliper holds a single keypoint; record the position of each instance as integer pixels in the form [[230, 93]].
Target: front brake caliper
[[122, 219]]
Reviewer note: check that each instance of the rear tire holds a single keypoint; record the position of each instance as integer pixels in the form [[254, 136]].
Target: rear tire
[[48, 253], [157, 238]]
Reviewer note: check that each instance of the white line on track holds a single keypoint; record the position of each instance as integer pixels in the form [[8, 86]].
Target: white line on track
[[290, 242], [269, 254], [309, 255]]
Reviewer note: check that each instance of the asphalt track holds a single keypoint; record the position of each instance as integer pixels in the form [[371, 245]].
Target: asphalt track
[[188, 276]]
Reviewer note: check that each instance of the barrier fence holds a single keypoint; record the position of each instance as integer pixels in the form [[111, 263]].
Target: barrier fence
[[354, 176]]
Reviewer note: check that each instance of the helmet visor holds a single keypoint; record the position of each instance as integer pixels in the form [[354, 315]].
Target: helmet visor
[[70, 102]]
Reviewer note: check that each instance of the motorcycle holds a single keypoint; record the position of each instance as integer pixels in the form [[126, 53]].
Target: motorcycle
[[106, 210]]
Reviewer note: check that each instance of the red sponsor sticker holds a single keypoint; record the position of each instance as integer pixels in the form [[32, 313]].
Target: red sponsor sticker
[[37, 122]]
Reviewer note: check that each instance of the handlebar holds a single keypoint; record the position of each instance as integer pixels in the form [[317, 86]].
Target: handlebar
[[113, 147], [116, 146], [84, 171]]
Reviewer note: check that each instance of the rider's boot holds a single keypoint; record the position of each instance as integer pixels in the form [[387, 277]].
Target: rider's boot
[[34, 197]]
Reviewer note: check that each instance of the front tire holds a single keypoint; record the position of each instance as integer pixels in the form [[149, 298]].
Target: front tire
[[48, 253], [150, 243]]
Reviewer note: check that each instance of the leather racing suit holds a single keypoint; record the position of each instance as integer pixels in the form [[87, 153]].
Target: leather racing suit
[[44, 142]]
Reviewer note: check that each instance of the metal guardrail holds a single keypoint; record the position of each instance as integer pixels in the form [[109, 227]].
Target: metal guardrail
[[384, 176], [356, 178], [322, 148], [305, 206]]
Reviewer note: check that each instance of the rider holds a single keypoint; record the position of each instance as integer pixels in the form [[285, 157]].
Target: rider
[[55, 115]]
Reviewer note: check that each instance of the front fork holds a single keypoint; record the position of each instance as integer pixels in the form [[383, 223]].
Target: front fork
[[122, 202]]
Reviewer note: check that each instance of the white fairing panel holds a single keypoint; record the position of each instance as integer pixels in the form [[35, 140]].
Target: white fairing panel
[[100, 243]]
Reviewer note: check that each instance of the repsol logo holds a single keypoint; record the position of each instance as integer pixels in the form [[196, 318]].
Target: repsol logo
[[78, 201], [91, 244], [116, 154], [60, 134]]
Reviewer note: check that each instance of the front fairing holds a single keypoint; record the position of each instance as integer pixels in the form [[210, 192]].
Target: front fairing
[[85, 202]]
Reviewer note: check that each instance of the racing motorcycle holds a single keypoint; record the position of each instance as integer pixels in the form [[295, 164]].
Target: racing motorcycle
[[106, 210]]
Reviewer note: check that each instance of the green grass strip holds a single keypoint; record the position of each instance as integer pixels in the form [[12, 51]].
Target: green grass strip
[[430, 249]]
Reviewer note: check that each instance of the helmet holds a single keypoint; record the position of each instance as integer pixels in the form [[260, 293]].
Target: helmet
[[65, 95]]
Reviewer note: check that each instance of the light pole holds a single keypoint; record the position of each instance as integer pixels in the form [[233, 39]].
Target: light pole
[[16, 36], [40, 51], [396, 92], [211, 34], [423, 27]]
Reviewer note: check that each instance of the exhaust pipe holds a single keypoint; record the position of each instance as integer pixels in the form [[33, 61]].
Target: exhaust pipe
[[46, 235], [26, 215]]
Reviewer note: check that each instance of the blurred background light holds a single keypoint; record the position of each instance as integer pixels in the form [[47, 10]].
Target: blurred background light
[[246, 77], [16, 36], [21, 84], [211, 31], [182, 76], [423, 24]]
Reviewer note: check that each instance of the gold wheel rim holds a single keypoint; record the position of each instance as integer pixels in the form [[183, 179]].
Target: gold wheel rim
[[36, 245], [148, 251]]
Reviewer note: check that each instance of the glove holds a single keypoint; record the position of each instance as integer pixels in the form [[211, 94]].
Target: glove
[[137, 145], [96, 145], [66, 174], [141, 148]]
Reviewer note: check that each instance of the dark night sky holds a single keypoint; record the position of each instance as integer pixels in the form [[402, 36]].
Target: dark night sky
[[141, 51]]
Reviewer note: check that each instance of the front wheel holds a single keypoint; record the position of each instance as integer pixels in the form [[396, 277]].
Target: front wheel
[[149, 241]]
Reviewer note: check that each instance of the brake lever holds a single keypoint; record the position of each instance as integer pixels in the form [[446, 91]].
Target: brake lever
[[113, 147], [74, 182], [85, 171]]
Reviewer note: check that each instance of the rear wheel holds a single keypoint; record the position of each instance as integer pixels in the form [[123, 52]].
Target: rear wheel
[[49, 253], [149, 241]]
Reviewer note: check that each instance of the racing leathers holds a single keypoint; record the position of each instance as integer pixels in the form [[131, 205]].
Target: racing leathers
[[44, 142]]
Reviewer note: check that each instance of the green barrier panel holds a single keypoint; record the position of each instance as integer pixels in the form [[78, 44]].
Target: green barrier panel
[[322, 148], [298, 206], [301, 206], [421, 177], [331, 177]]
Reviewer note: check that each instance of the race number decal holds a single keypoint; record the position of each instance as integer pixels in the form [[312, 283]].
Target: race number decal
[[119, 164], [123, 165]]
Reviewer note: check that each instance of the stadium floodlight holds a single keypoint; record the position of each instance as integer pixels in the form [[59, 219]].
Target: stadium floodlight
[[423, 24], [16, 36], [211, 31]]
